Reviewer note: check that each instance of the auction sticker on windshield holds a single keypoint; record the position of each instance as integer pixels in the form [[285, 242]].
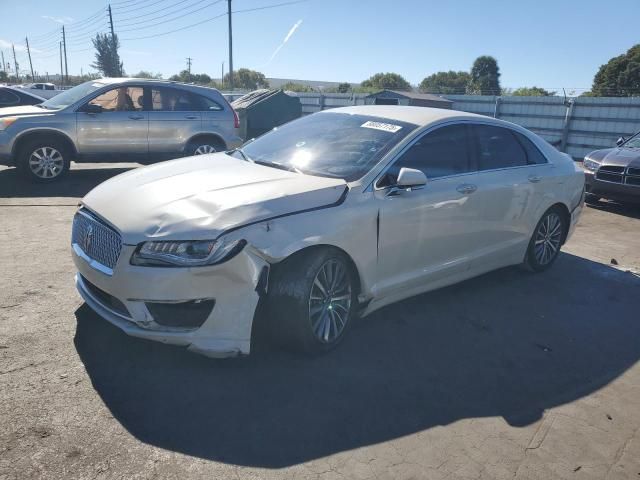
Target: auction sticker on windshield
[[387, 127]]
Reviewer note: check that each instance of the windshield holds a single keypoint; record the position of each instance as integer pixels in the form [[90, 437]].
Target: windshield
[[634, 142], [336, 145], [72, 95]]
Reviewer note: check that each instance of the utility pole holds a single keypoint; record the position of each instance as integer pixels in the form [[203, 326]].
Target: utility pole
[[15, 62], [64, 47], [113, 41], [230, 47], [189, 66], [33, 77], [61, 70], [222, 76], [4, 65]]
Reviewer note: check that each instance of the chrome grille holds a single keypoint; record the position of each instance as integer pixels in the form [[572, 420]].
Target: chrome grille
[[97, 240]]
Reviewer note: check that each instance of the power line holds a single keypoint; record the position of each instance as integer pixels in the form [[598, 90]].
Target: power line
[[129, 24], [139, 7], [269, 6], [177, 29], [170, 19]]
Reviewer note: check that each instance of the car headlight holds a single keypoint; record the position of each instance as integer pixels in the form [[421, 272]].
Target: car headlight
[[186, 253], [6, 122], [590, 164]]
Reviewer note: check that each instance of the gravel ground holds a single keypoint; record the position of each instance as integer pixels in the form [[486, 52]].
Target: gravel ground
[[509, 375]]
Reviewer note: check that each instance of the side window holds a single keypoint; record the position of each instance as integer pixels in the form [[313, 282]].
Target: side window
[[208, 105], [174, 100], [534, 155], [121, 99], [498, 148], [440, 153], [8, 98]]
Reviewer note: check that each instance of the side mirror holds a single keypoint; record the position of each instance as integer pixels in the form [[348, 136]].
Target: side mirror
[[92, 108], [411, 178], [620, 141]]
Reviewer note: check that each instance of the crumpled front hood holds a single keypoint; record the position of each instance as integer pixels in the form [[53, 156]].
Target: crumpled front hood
[[624, 157], [24, 110], [200, 197]]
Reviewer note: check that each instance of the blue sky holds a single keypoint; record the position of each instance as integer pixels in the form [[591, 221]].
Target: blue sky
[[547, 43]]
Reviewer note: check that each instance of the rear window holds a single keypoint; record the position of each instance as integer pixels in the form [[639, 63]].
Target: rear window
[[498, 148]]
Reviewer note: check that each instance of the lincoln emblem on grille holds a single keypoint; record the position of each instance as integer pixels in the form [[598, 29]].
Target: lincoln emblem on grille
[[87, 238]]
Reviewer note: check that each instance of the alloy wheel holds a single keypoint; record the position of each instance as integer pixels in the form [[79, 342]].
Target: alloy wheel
[[46, 162], [548, 239], [203, 149], [330, 301]]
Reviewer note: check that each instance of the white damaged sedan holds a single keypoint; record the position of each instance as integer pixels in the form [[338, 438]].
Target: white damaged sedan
[[326, 218]]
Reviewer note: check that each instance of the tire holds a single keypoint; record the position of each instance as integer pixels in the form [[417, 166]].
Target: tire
[[546, 241], [306, 320], [44, 160], [205, 146], [591, 199]]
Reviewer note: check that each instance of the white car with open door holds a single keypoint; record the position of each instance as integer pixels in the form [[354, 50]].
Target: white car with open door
[[328, 217]]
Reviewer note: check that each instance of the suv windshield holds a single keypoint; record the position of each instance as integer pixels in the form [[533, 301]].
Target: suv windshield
[[72, 95], [329, 144]]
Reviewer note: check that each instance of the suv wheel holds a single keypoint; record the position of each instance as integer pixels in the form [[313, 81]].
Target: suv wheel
[[204, 146], [43, 160]]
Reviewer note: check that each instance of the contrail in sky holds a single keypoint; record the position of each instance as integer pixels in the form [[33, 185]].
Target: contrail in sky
[[286, 39]]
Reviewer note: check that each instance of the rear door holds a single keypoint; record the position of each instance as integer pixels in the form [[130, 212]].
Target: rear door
[[511, 183], [120, 131], [174, 117]]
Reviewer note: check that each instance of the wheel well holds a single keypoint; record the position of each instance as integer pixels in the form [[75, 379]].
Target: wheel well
[[562, 209], [216, 139], [43, 134], [312, 248]]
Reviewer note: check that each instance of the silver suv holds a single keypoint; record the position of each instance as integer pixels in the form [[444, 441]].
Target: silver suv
[[116, 119]]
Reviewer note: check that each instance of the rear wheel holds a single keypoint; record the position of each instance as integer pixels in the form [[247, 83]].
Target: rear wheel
[[43, 160], [313, 300], [546, 241], [205, 146]]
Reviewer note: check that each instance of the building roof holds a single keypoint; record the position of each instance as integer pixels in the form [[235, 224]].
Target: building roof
[[417, 115], [413, 95]]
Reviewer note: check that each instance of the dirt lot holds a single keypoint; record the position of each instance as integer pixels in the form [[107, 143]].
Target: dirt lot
[[510, 375]]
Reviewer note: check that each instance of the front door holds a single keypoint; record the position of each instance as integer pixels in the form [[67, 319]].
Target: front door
[[428, 233], [119, 131]]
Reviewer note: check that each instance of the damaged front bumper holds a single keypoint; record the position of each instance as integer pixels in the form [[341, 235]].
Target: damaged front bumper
[[208, 309]]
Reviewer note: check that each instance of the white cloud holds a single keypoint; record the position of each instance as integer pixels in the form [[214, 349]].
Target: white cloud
[[61, 20], [286, 39], [7, 44]]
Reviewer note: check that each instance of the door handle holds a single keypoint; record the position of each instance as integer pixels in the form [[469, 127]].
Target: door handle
[[136, 117], [534, 178], [191, 117], [466, 188]]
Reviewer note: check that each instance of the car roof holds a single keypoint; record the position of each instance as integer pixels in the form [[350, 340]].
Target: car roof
[[417, 115]]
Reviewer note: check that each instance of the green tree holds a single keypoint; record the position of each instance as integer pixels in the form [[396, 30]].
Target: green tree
[[485, 76], [107, 59], [185, 76], [620, 76], [391, 81], [344, 87], [246, 79], [3, 76], [446, 82], [532, 92], [296, 87], [146, 74]]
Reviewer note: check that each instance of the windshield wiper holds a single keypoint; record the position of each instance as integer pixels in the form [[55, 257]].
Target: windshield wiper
[[241, 152], [280, 166]]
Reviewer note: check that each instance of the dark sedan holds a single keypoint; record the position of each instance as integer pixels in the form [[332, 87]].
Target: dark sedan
[[15, 97], [614, 173]]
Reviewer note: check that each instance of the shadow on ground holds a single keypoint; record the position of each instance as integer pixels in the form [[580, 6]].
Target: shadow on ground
[[76, 183], [625, 209], [507, 344]]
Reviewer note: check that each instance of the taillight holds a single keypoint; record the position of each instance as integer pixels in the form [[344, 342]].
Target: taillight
[[236, 120]]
